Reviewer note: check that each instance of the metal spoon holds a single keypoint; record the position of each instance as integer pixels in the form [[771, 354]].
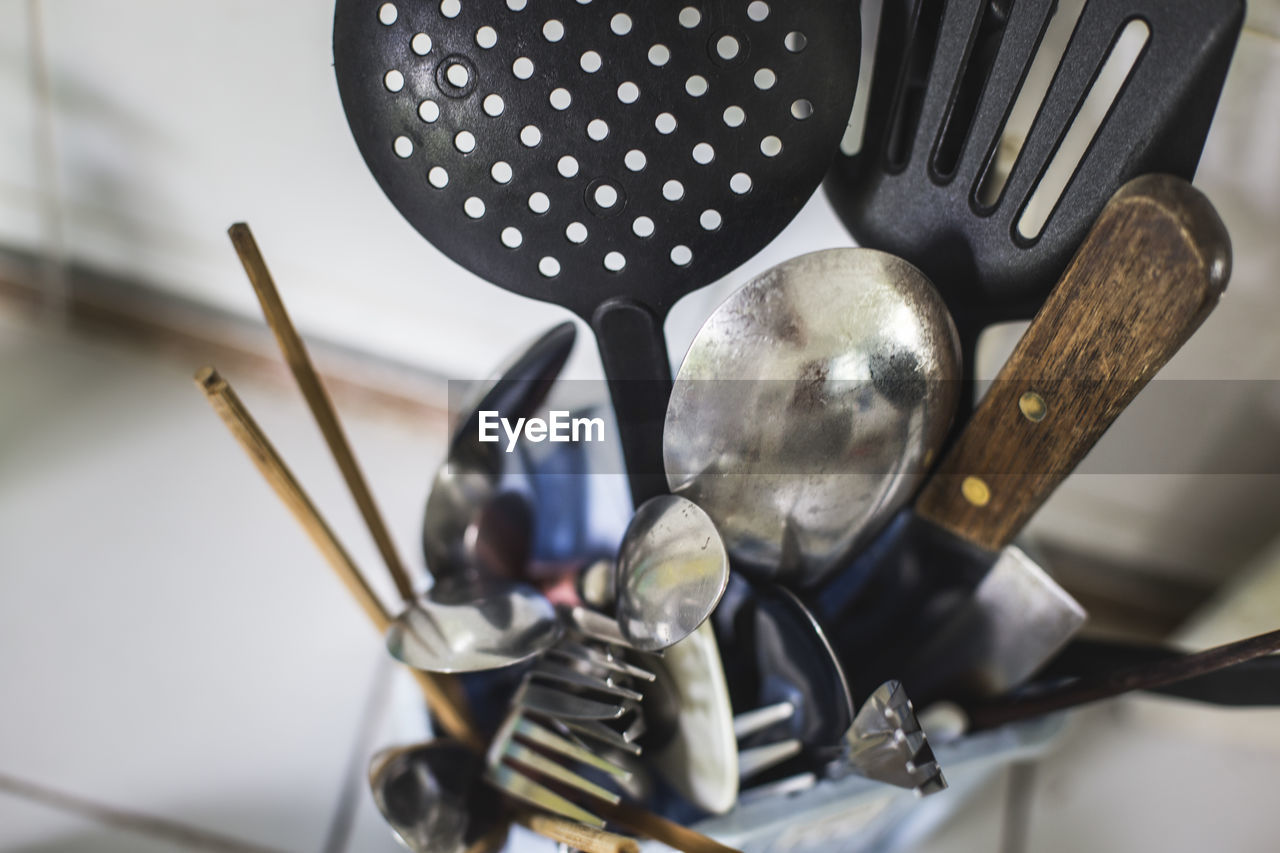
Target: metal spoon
[[672, 570], [476, 537], [471, 625], [472, 618], [459, 522], [809, 407], [426, 794]]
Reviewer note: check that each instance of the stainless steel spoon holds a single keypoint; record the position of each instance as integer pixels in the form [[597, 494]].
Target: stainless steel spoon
[[426, 794], [460, 521], [471, 625], [672, 570], [476, 538], [809, 407]]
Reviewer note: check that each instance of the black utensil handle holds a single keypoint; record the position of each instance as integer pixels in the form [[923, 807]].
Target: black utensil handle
[[1252, 683], [1146, 676], [634, 353]]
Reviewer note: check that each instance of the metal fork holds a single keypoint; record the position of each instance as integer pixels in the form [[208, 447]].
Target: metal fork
[[551, 713], [753, 761]]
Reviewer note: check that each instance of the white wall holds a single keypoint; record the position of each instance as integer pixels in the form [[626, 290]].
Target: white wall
[[171, 119]]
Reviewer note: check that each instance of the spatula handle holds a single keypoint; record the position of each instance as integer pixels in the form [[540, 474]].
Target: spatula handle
[[634, 353], [1148, 273]]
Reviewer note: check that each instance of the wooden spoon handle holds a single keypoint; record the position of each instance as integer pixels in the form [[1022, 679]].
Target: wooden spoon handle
[[1148, 273]]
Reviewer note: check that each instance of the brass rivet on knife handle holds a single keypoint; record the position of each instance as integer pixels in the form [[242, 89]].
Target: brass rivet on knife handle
[[975, 490], [1033, 406], [1148, 273], [254, 441]]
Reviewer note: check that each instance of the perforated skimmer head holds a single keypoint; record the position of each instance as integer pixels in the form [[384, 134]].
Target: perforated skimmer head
[[605, 155]]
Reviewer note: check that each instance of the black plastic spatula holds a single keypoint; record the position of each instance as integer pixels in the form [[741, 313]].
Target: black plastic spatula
[[609, 156], [945, 78]]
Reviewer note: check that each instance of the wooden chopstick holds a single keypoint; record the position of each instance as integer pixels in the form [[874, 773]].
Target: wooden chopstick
[[576, 835], [273, 469], [295, 354], [1144, 676], [659, 828], [326, 417], [640, 821]]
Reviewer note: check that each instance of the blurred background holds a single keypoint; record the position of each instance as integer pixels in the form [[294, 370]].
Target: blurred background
[[179, 669]]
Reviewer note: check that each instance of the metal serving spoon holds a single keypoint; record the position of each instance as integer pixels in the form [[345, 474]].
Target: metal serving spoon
[[810, 406]]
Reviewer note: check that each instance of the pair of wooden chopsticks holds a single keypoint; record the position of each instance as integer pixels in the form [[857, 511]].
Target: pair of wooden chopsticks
[[443, 695]]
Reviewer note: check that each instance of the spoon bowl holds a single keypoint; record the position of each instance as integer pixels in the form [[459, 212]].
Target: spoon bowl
[[476, 537], [809, 407], [427, 795], [672, 570], [473, 626]]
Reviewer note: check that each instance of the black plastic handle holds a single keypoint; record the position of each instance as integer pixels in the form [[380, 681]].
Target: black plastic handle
[[1251, 683], [634, 352]]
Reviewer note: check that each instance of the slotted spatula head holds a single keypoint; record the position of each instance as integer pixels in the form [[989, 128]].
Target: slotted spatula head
[[609, 156], [946, 75]]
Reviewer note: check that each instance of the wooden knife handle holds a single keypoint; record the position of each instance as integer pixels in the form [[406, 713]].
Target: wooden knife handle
[[1146, 276]]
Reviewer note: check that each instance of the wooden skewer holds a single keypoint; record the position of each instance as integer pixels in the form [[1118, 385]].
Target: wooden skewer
[[250, 436], [1144, 676], [579, 836], [295, 353]]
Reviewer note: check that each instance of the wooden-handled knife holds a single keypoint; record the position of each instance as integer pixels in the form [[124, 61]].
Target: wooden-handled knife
[[1144, 279], [942, 601]]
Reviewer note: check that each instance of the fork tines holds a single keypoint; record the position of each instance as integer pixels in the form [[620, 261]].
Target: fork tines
[[571, 694]]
